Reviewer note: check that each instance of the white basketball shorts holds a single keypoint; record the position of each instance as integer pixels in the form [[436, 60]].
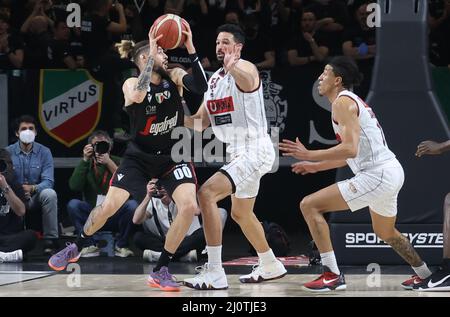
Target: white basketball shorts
[[246, 168], [375, 188]]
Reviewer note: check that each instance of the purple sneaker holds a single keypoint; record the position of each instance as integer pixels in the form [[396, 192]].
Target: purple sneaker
[[69, 254], [164, 280]]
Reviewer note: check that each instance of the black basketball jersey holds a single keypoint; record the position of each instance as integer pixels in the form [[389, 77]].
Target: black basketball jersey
[[153, 120]]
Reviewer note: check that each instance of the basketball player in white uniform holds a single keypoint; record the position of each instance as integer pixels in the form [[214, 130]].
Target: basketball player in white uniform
[[377, 182], [234, 106]]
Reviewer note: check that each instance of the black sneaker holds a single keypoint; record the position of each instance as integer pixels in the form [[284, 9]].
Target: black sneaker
[[50, 247], [439, 281]]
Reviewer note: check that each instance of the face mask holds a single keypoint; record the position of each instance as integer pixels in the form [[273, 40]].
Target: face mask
[[27, 136]]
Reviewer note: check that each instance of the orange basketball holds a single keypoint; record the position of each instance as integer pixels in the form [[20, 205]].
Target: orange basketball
[[171, 26]]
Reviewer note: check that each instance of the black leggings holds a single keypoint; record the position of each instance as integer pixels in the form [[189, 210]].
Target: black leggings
[[148, 240], [24, 240]]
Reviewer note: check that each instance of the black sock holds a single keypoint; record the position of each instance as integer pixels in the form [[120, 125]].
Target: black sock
[[81, 240], [163, 260]]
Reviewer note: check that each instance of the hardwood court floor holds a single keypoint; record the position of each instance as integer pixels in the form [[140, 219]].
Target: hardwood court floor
[[133, 285]]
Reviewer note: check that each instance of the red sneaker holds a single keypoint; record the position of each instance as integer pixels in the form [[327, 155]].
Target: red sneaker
[[409, 283], [326, 282]]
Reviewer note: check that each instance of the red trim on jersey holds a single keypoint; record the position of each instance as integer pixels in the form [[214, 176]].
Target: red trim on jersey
[[338, 137], [249, 92], [195, 176]]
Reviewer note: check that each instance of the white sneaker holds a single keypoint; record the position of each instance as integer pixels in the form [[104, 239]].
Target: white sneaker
[[189, 257], [260, 273], [11, 257], [208, 279], [123, 252], [90, 252], [151, 256]]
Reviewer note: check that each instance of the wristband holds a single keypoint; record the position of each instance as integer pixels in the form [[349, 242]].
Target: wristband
[[193, 58]]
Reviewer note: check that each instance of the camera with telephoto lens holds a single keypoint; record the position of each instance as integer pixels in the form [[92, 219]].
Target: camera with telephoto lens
[[157, 192], [3, 166], [101, 147]]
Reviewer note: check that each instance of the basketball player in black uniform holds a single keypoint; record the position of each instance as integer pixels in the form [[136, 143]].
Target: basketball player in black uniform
[[439, 280], [154, 105]]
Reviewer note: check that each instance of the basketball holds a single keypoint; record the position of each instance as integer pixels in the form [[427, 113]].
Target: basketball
[[171, 26]]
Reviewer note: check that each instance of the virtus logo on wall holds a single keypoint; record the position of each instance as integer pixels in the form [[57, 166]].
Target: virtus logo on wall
[[70, 104], [276, 108]]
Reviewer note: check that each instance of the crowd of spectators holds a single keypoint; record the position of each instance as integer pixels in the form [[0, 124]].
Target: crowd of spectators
[[34, 33]]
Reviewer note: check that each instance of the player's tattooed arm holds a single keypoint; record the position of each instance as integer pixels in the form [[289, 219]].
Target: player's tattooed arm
[[135, 89], [403, 247], [144, 78]]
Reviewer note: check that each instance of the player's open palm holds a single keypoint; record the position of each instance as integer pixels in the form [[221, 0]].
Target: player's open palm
[[294, 149], [232, 56]]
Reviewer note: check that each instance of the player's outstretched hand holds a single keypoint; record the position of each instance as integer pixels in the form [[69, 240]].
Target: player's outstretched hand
[[232, 56], [294, 149], [428, 148]]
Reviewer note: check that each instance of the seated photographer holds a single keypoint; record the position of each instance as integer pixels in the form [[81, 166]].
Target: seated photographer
[[157, 212], [14, 241], [92, 177], [33, 165]]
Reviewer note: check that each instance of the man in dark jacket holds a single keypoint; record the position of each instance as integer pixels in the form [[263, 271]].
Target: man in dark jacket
[[92, 178]]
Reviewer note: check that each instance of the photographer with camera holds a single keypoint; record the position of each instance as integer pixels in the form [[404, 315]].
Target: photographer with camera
[[14, 241], [33, 165], [156, 213], [92, 177]]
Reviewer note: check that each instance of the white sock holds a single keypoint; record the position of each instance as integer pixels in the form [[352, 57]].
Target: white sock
[[422, 271], [266, 257], [214, 256], [329, 259]]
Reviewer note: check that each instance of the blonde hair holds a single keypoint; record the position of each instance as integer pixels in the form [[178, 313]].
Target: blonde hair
[[124, 48]]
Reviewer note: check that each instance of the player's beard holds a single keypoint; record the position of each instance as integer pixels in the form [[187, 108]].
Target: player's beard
[[220, 60], [161, 71]]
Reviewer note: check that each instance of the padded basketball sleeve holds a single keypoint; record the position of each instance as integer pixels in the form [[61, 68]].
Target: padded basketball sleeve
[[196, 82]]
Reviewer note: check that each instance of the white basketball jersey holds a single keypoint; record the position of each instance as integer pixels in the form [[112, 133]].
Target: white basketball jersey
[[373, 150], [236, 117]]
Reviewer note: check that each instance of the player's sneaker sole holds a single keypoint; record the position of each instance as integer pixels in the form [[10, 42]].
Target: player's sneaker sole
[[56, 268], [260, 279], [325, 290], [154, 284], [203, 287]]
